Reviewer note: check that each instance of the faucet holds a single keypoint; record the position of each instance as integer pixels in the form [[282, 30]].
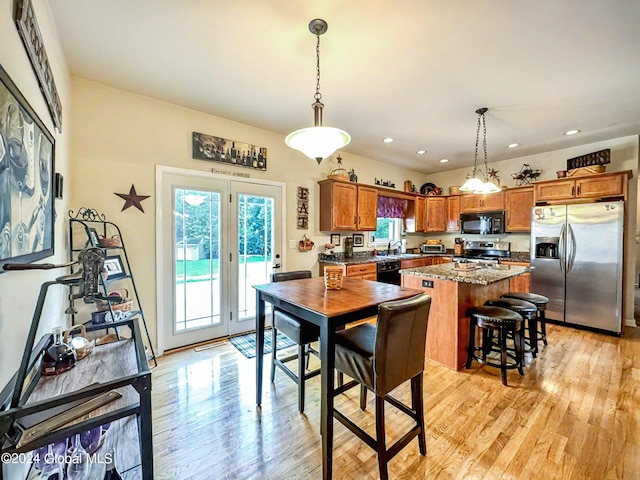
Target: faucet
[[391, 244]]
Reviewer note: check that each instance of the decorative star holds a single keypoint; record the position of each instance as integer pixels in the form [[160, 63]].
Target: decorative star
[[132, 199]]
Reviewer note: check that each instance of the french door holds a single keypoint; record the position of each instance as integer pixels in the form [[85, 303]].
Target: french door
[[216, 238]]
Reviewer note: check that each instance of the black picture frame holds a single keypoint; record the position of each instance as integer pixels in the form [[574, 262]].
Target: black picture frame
[[94, 240], [113, 267], [232, 152], [358, 240], [335, 239], [27, 161]]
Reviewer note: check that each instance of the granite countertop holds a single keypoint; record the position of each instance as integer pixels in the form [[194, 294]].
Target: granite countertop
[[481, 276], [360, 259]]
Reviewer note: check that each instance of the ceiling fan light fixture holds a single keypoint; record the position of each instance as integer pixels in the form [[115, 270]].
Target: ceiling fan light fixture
[[318, 142]]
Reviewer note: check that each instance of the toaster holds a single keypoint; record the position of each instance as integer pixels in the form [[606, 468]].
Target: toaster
[[426, 248]]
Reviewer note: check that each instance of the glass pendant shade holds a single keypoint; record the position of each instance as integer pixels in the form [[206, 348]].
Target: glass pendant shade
[[471, 185], [488, 187], [318, 142]]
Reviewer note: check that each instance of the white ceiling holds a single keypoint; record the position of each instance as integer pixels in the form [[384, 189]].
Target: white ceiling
[[414, 70]]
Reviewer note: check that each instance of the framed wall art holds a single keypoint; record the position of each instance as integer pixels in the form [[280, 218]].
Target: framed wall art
[[216, 149], [358, 240], [27, 152], [27, 24], [114, 267]]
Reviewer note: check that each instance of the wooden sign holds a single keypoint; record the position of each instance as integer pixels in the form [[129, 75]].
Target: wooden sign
[[590, 159]]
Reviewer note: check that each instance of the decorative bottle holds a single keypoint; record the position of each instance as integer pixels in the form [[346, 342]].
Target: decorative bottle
[[110, 462], [59, 357]]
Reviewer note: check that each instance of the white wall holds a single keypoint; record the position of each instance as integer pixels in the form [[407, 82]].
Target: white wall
[[19, 290], [119, 138]]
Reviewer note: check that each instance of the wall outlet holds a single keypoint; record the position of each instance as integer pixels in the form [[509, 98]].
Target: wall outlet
[[292, 244]]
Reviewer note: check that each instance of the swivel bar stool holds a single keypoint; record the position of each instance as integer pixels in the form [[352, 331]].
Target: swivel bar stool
[[539, 301], [504, 321], [528, 312]]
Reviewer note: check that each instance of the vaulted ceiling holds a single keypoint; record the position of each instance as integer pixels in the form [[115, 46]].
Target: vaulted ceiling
[[413, 70]]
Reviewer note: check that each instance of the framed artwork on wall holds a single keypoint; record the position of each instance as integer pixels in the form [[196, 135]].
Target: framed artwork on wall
[[335, 239], [358, 240], [27, 152]]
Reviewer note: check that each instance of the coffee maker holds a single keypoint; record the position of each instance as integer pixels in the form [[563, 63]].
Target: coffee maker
[[348, 247]]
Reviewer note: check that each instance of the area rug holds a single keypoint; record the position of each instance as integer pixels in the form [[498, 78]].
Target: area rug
[[246, 344]]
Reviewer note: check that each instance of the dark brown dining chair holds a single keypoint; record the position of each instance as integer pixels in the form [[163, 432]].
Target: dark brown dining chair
[[380, 358], [299, 331]]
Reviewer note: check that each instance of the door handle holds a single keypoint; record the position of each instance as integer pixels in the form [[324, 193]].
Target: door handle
[[561, 249], [277, 265], [578, 190], [574, 248], [573, 191]]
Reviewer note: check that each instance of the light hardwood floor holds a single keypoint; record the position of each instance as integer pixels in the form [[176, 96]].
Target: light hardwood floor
[[575, 414]]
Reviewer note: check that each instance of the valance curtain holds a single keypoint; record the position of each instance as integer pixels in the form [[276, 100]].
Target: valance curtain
[[389, 207]]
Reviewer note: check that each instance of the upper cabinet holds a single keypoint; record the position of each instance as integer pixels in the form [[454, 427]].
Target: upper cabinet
[[482, 203], [453, 213], [517, 205], [415, 216], [436, 214], [590, 187], [347, 206]]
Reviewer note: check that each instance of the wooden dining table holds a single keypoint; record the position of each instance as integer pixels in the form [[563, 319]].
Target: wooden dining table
[[309, 300]]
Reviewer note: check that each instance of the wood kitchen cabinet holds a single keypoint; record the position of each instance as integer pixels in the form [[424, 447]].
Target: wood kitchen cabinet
[[424, 261], [347, 206], [453, 213], [436, 214], [586, 187], [520, 283], [482, 203], [415, 216], [365, 271], [517, 204]]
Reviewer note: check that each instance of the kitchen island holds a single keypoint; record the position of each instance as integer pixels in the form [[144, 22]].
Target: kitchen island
[[453, 291]]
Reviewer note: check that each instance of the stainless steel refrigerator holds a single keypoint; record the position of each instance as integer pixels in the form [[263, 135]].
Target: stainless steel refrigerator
[[576, 252]]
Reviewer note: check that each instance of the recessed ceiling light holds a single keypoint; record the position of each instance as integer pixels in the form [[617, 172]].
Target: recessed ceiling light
[[513, 145], [387, 140], [571, 132], [421, 152], [444, 160]]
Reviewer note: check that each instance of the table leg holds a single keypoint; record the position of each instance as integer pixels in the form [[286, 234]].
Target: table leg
[[327, 362], [259, 345]]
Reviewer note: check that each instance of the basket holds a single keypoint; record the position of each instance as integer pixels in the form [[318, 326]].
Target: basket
[[109, 242], [454, 190], [82, 346], [333, 277], [123, 306]]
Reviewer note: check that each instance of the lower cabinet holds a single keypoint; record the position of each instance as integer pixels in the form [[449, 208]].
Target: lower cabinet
[[521, 283], [365, 271]]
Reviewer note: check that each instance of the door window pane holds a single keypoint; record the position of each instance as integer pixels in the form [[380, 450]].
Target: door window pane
[[197, 270]]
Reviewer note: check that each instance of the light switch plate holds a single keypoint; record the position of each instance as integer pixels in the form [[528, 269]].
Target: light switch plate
[[292, 244]]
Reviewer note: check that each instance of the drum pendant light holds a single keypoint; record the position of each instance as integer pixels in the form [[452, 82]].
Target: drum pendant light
[[475, 184], [318, 142]]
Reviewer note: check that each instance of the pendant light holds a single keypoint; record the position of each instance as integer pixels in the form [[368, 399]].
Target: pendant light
[[318, 142], [475, 184]]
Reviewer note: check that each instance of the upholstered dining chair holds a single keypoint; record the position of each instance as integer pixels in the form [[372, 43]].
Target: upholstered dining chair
[[380, 358], [299, 331]]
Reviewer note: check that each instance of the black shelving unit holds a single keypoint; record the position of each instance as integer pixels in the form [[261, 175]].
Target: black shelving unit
[[120, 366], [87, 228]]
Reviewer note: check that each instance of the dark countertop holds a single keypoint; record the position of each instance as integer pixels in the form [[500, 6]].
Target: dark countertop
[[339, 259], [481, 276]]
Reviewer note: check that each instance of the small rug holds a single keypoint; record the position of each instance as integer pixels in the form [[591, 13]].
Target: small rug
[[246, 344]]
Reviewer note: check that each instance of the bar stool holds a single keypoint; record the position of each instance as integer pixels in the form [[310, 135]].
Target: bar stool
[[540, 301], [528, 311], [491, 319]]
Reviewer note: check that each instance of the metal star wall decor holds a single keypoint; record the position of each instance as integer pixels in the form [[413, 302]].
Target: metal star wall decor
[[132, 199]]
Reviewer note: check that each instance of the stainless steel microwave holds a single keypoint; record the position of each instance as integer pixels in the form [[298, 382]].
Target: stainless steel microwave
[[482, 223]]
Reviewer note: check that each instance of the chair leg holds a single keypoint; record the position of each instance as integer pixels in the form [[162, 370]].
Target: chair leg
[[418, 406], [274, 350], [543, 327], [533, 335], [340, 379], [381, 444], [307, 354], [502, 339], [518, 343], [472, 343], [363, 397], [301, 378]]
